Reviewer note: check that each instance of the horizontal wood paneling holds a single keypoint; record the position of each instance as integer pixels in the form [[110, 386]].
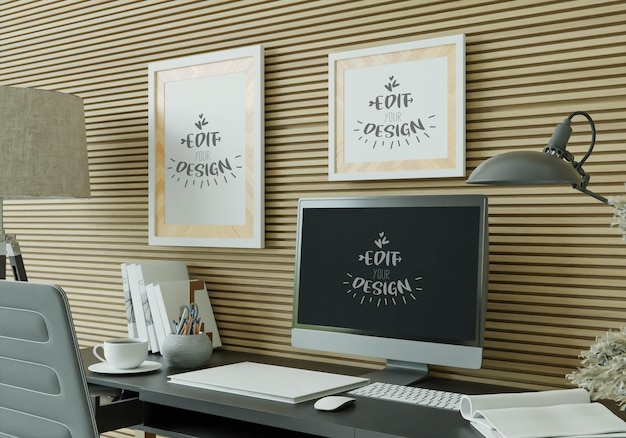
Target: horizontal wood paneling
[[557, 267]]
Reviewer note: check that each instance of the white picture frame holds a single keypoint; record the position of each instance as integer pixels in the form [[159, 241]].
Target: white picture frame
[[206, 150], [398, 111]]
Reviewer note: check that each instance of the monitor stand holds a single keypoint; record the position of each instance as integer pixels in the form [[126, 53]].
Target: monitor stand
[[399, 373]]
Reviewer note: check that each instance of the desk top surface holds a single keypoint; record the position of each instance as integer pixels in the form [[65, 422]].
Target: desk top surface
[[366, 417]]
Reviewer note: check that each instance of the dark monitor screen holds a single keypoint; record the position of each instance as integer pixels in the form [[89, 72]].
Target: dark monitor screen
[[393, 268]]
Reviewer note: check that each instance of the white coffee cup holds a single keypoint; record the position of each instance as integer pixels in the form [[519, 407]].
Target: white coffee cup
[[123, 353]]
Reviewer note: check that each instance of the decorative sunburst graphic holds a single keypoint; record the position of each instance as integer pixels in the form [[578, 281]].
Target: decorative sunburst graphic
[[206, 174], [382, 287]]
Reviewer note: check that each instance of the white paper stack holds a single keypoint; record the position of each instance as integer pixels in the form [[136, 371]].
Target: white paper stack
[[559, 413]]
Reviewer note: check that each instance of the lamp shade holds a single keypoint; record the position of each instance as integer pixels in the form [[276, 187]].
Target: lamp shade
[[43, 147], [525, 168]]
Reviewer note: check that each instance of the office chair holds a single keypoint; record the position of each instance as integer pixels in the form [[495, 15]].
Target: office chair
[[43, 391]]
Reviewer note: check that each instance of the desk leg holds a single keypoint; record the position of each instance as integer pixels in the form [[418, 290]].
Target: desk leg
[[142, 434]]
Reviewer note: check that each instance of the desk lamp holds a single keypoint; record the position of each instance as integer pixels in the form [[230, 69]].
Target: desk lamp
[[555, 165], [43, 154]]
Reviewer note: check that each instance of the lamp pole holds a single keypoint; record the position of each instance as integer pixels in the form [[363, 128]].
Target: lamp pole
[[10, 247], [3, 249]]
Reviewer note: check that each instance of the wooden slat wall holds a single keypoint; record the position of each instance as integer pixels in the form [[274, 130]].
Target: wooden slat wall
[[557, 268]]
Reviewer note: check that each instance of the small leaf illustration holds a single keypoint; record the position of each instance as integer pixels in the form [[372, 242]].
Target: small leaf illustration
[[202, 122], [392, 84], [382, 241]]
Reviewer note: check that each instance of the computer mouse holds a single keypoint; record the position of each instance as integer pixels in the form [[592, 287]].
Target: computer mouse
[[332, 402]]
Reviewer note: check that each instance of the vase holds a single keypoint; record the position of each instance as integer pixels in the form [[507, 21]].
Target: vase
[[187, 351]]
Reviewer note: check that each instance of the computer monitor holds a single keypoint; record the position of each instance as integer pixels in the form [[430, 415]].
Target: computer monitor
[[403, 278]]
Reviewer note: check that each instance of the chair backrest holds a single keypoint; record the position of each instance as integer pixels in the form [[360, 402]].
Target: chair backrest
[[43, 391]]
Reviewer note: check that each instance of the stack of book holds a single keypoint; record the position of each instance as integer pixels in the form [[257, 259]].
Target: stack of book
[[155, 292]]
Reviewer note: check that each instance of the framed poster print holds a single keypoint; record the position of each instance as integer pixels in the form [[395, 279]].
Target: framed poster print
[[398, 111], [205, 140]]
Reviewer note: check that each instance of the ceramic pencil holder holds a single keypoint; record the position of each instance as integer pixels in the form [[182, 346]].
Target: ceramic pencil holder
[[187, 351]]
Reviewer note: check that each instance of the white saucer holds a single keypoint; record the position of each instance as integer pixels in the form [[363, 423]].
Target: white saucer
[[105, 368]]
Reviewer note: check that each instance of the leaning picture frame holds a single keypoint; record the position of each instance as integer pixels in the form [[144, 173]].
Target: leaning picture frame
[[398, 111], [205, 150]]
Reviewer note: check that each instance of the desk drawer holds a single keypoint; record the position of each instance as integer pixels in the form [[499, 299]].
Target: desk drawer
[[115, 408]]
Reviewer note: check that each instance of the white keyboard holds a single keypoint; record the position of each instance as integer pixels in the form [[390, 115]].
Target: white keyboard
[[410, 394]]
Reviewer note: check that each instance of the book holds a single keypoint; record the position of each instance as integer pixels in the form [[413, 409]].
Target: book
[[143, 273], [128, 303], [160, 330], [137, 302], [271, 382], [557, 413], [171, 295]]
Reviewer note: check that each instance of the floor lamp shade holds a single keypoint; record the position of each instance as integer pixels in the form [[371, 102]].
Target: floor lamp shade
[[43, 148]]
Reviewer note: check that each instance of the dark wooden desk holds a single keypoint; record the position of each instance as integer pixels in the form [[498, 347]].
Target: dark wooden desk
[[157, 406]]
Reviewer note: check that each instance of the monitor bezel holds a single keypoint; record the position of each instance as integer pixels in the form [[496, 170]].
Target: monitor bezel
[[399, 353]]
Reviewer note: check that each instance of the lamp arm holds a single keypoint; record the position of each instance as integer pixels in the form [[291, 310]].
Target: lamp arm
[[582, 187], [593, 136], [592, 194]]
